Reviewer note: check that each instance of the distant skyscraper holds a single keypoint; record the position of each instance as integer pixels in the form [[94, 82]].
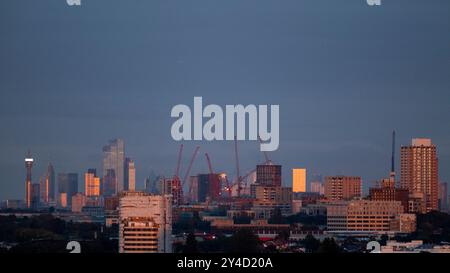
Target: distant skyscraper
[[419, 172], [29, 165], [114, 159], [50, 183], [68, 186], [130, 175], [145, 223], [299, 180], [443, 195], [109, 183], [91, 183], [35, 196], [43, 187], [342, 187]]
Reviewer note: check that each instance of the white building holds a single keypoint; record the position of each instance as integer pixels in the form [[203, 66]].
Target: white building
[[145, 223]]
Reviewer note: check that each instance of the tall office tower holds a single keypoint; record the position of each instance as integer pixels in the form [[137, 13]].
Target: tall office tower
[[443, 201], [50, 183], [29, 165], [35, 196], [419, 173], [114, 159], [43, 187], [91, 183], [317, 187], [109, 183], [202, 187], [145, 223], [130, 175], [342, 187], [268, 175], [67, 187], [299, 180]]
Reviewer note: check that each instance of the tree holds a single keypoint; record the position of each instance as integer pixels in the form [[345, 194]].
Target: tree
[[277, 217], [311, 244], [329, 245], [191, 244], [245, 241]]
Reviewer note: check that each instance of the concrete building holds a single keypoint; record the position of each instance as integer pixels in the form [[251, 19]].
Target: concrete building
[[299, 180], [388, 192], [369, 216], [145, 223], [419, 173], [269, 198], [342, 187]]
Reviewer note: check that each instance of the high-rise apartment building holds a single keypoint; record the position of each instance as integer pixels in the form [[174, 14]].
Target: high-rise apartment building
[[145, 223], [114, 159], [342, 187], [419, 173], [130, 175], [299, 180], [91, 183]]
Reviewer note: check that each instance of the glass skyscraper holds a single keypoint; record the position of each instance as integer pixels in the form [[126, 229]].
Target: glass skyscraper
[[114, 159]]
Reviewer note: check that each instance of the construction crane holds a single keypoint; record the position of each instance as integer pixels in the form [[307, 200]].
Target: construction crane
[[186, 176], [177, 170], [239, 180], [264, 152]]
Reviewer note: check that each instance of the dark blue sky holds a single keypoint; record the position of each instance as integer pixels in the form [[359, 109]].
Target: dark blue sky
[[344, 74]]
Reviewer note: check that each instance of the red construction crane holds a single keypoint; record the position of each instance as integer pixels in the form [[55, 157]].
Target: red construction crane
[[209, 163], [238, 175], [186, 176], [177, 170]]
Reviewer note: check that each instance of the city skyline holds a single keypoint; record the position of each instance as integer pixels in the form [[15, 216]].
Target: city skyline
[[285, 181], [344, 74]]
